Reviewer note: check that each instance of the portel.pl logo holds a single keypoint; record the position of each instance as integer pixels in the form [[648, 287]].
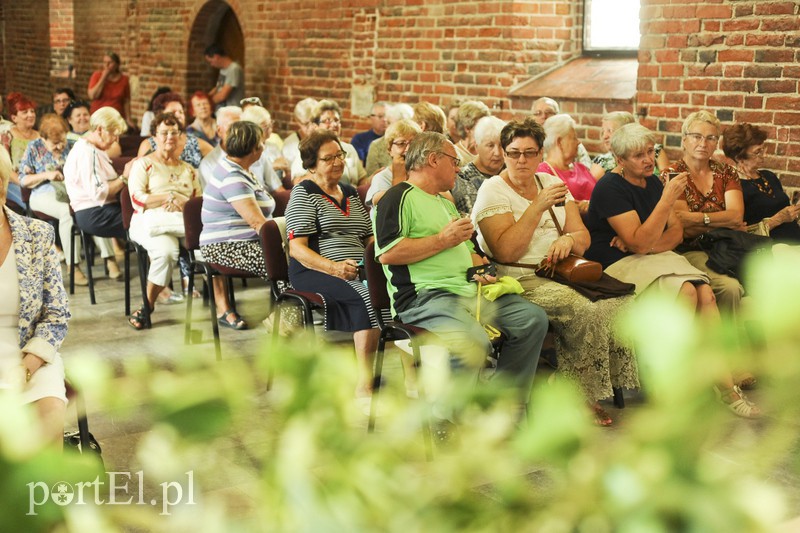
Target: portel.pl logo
[[86, 492]]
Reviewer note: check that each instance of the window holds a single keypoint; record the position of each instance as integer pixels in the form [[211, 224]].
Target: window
[[610, 26]]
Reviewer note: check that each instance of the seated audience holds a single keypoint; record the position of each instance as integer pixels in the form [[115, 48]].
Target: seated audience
[[452, 130], [426, 258], [22, 111], [430, 117], [488, 163], [398, 136], [764, 198], [160, 184], [191, 149], [235, 206], [110, 87], [513, 213], [561, 150], [271, 166], [77, 116], [62, 97], [634, 230], [469, 113], [543, 109], [225, 117], [361, 141], [303, 118], [712, 199], [328, 229], [327, 116], [149, 115], [34, 315], [378, 155], [204, 127]]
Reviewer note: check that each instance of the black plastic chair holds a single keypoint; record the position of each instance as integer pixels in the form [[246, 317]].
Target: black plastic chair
[[141, 255]]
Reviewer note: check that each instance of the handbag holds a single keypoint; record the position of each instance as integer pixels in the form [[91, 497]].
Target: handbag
[[573, 268], [160, 222]]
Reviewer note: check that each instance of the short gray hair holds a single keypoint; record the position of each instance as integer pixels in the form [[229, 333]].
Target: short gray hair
[[304, 110], [556, 127], [619, 118], [488, 128], [397, 112], [630, 138], [552, 104], [425, 143], [109, 119], [228, 115]]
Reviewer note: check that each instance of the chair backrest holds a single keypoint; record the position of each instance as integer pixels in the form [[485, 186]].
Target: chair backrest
[[119, 163], [193, 222], [376, 281], [272, 243], [126, 206], [281, 201], [129, 144], [362, 193]]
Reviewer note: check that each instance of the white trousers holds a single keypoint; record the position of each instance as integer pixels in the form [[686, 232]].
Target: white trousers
[[162, 249]]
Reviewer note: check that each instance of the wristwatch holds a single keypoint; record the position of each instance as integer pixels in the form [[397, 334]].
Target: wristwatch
[[706, 219]]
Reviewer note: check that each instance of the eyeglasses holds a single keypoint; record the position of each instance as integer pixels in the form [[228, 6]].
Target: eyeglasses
[[330, 121], [541, 113], [62, 100], [380, 117], [166, 134], [401, 144], [529, 154], [697, 137], [456, 161], [755, 153], [338, 155], [253, 100]]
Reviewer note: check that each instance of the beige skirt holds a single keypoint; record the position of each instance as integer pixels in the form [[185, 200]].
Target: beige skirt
[[665, 271]]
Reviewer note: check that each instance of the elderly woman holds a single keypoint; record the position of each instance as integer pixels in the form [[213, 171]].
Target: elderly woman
[[513, 213], [398, 136], [77, 116], [93, 185], [204, 126], [191, 149], [160, 184], [271, 167], [22, 111], [764, 198], [110, 88], [430, 117], [488, 163], [712, 199], [235, 206], [469, 113], [634, 229], [561, 149], [544, 108], [378, 156], [327, 116], [328, 228], [303, 115], [33, 314]]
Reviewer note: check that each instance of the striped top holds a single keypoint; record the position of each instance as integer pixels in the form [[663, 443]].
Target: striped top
[[228, 183], [335, 231]]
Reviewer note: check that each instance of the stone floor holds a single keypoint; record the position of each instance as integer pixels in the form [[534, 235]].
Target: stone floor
[[102, 329]]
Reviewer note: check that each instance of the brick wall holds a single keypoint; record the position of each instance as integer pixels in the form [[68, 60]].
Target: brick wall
[[736, 58], [27, 49], [62, 38]]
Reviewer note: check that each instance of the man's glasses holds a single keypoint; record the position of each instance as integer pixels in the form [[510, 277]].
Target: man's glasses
[[338, 155], [697, 137], [456, 161], [529, 154]]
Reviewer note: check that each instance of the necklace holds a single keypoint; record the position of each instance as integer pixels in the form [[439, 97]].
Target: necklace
[[760, 182]]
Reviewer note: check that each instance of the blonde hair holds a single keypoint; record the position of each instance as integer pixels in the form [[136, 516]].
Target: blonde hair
[[5, 172], [256, 114], [619, 118], [401, 128], [109, 119], [304, 110], [431, 115], [700, 116], [469, 113]]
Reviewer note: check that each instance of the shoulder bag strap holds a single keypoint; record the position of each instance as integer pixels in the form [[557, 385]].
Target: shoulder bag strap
[[550, 209]]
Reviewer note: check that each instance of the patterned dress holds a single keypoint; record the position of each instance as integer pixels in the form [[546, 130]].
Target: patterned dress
[[191, 150]]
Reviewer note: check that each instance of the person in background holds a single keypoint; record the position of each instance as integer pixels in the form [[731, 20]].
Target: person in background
[[430, 117], [378, 154], [543, 109], [230, 83], [489, 163], [149, 115], [110, 87], [204, 126], [398, 136], [255, 101], [606, 162], [225, 117], [561, 152], [22, 111], [33, 316], [303, 115], [62, 97], [469, 113], [361, 141], [271, 165], [452, 130], [77, 116], [763, 194], [192, 149]]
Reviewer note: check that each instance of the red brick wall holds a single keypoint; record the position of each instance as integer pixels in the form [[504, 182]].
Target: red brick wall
[[27, 50], [62, 37], [738, 59]]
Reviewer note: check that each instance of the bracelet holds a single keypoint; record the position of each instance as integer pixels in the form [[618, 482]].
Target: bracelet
[[570, 236]]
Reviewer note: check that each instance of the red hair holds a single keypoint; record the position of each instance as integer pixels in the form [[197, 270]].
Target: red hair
[[18, 102], [204, 96]]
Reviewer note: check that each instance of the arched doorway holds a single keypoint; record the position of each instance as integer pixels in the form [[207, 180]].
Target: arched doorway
[[215, 23]]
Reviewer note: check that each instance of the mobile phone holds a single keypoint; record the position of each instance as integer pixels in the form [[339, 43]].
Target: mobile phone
[[672, 175], [481, 270]]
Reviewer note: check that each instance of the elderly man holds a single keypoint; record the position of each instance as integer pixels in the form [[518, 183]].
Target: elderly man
[[424, 246], [361, 141], [544, 108], [225, 117]]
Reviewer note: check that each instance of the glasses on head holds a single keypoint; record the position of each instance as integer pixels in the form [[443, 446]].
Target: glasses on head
[[698, 137], [456, 161], [253, 100], [338, 155], [529, 154], [401, 144], [329, 121], [167, 134]]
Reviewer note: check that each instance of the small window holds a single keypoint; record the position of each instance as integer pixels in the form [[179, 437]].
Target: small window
[[610, 26]]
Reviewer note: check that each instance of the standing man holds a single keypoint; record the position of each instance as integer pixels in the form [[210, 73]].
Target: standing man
[[230, 84], [361, 141], [424, 246]]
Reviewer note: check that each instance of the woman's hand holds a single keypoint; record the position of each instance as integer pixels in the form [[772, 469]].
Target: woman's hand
[[550, 196], [346, 270], [31, 363], [675, 188], [55, 175], [281, 163], [175, 202], [560, 248], [618, 243], [583, 207], [787, 214]]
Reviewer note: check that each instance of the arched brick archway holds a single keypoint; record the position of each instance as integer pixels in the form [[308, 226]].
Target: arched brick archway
[[215, 22]]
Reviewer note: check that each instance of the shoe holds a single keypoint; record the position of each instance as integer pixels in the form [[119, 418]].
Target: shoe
[[601, 417], [745, 381], [173, 298], [737, 402], [113, 269], [237, 324], [136, 320], [79, 278], [444, 433]]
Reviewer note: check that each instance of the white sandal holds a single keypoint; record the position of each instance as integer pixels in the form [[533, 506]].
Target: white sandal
[[737, 402]]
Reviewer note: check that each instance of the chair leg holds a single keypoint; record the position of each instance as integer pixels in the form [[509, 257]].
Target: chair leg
[[88, 250], [127, 266], [72, 262], [187, 333], [231, 295], [276, 324], [427, 438], [378, 371], [212, 304], [142, 260], [619, 399]]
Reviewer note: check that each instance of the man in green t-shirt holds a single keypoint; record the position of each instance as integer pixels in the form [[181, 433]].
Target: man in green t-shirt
[[424, 246]]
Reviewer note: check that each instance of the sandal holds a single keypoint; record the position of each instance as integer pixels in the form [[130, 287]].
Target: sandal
[[237, 324], [737, 402], [601, 417], [745, 381], [136, 320]]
